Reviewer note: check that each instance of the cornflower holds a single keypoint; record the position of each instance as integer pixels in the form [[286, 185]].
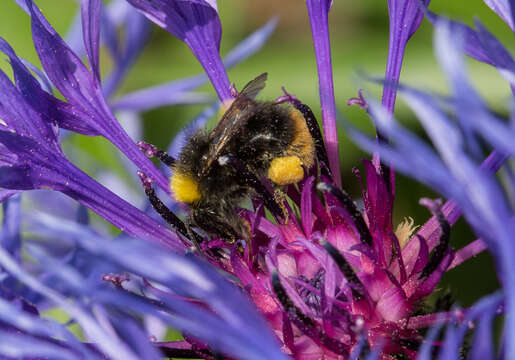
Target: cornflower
[[333, 282]]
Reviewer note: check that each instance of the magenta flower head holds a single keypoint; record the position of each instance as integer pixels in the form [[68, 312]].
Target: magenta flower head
[[303, 271]]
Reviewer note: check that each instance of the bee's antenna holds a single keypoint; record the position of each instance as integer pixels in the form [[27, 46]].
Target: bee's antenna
[[152, 151]]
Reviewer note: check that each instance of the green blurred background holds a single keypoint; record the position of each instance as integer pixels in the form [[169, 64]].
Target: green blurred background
[[359, 35]]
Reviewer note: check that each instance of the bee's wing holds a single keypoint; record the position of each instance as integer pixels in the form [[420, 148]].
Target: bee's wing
[[234, 118], [254, 86]]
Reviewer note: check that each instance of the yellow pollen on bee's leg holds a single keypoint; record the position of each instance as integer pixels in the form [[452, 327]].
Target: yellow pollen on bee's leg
[[286, 170], [185, 188]]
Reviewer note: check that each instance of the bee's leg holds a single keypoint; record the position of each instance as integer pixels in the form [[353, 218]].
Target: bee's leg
[[166, 213], [280, 198], [314, 129], [217, 222], [193, 236], [151, 151], [251, 180]]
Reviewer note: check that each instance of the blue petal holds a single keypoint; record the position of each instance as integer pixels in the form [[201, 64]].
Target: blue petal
[[10, 237], [236, 322], [36, 326], [482, 344], [470, 108], [105, 341], [195, 22], [6, 194], [483, 46], [505, 9], [21, 346]]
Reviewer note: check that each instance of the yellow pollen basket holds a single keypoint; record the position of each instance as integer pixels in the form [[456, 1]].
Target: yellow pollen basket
[[185, 188], [286, 170]]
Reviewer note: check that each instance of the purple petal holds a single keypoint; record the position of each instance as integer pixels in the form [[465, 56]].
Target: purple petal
[[471, 110], [22, 118], [44, 81], [318, 11], [471, 39], [480, 189], [104, 340], [306, 206], [482, 345], [231, 328], [196, 23], [137, 29], [6, 194], [72, 118], [450, 348], [431, 229], [21, 346], [146, 99], [90, 11], [118, 212], [16, 177], [505, 9], [64, 114], [419, 161], [482, 46], [467, 252], [496, 52], [379, 201], [62, 66], [405, 18], [170, 93], [426, 349], [31, 324], [43, 168], [81, 90]]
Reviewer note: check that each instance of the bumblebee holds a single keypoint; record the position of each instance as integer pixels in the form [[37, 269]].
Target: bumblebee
[[262, 140]]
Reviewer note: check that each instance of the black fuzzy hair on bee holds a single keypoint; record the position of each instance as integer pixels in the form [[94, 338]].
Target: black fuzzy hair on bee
[[253, 140]]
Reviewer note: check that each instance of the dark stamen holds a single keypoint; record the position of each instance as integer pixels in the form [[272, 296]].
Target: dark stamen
[[443, 244], [386, 173], [151, 151], [314, 130], [173, 353], [251, 180], [358, 290], [305, 324], [350, 207], [163, 210]]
